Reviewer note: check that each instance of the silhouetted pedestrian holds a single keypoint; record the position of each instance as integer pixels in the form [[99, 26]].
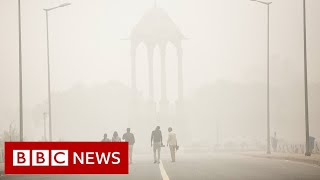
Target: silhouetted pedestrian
[[274, 142], [156, 142], [105, 138], [129, 137], [115, 137]]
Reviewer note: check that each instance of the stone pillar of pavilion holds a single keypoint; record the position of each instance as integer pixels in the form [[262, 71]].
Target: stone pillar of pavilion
[[156, 28], [150, 52], [164, 103], [151, 106], [180, 122], [180, 74], [133, 67], [133, 101], [179, 103]]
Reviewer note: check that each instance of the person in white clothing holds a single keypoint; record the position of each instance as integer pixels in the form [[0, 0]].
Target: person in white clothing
[[172, 142]]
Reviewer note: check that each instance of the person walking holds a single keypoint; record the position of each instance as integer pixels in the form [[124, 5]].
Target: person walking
[[172, 142], [156, 142], [129, 137], [274, 142], [115, 137], [105, 138]]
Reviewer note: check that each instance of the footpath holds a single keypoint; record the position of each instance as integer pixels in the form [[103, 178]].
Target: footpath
[[1, 169], [314, 159]]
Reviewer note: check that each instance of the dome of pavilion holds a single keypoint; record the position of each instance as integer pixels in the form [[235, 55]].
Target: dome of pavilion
[[156, 26]]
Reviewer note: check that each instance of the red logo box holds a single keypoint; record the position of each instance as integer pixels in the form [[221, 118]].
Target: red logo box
[[66, 158]]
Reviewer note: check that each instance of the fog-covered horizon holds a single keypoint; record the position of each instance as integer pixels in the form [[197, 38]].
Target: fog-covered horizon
[[224, 55]]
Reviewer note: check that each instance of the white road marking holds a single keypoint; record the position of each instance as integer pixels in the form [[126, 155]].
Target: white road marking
[[163, 172]]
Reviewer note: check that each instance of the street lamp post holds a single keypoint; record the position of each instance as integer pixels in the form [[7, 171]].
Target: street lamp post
[[268, 73], [20, 75], [217, 129], [48, 61], [44, 127], [307, 153]]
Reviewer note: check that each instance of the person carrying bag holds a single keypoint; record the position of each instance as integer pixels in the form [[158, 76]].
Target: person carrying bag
[[172, 143]]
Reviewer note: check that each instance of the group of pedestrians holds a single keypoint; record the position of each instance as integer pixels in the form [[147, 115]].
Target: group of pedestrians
[[156, 142], [128, 137]]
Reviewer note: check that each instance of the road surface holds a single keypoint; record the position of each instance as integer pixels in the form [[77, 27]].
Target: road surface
[[200, 167]]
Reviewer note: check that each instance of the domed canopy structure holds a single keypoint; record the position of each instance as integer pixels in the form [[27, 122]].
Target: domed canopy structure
[[155, 27]]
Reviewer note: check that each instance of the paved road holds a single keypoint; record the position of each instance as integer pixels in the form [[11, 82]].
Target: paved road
[[201, 167]]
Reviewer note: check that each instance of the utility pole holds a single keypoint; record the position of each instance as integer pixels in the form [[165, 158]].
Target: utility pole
[[45, 126], [48, 62], [20, 75], [268, 72], [307, 153]]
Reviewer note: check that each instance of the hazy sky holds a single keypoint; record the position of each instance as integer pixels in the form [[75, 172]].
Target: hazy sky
[[227, 40]]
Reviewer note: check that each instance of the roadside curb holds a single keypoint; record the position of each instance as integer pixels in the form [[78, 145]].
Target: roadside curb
[[306, 160], [1, 170]]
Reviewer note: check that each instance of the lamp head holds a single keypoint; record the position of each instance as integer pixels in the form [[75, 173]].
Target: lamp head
[[65, 4], [262, 2]]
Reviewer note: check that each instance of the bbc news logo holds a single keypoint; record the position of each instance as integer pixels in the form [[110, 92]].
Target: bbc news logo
[[66, 158], [40, 158]]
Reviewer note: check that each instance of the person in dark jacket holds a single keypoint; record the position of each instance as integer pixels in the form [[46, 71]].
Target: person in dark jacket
[[129, 137], [156, 142], [105, 138]]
